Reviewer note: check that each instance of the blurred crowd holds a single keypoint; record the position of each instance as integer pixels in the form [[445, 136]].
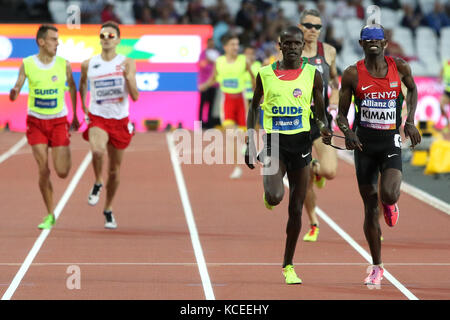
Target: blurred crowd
[[257, 22]]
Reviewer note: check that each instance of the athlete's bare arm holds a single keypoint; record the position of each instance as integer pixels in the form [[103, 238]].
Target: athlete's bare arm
[[330, 56], [319, 108], [249, 70], [129, 74], [406, 77], [252, 111], [348, 86], [83, 85], [212, 79], [73, 95], [14, 93], [250, 154]]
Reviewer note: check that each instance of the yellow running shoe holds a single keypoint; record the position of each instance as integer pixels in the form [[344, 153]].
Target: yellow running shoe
[[290, 275], [268, 206], [48, 222], [312, 234]]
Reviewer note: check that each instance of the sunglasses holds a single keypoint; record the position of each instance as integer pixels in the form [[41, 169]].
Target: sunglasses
[[108, 35], [310, 26]]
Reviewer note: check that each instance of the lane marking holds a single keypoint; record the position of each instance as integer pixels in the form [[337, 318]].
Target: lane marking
[[44, 234], [19, 144], [407, 188], [202, 268], [218, 264], [359, 249]]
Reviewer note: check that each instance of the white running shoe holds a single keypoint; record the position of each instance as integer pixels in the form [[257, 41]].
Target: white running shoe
[[110, 222], [237, 173], [94, 195]]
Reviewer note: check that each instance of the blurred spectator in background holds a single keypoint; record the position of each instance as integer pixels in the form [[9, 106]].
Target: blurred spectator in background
[[244, 17], [394, 49], [412, 17], [217, 11], [37, 10], [89, 11], [194, 11], [345, 9], [222, 27], [391, 4], [326, 18], [206, 63], [146, 16], [360, 12], [438, 18], [165, 12], [138, 6], [108, 12], [330, 39]]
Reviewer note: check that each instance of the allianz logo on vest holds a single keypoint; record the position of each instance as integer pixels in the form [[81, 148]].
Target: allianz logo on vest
[[378, 103], [292, 110], [43, 92]]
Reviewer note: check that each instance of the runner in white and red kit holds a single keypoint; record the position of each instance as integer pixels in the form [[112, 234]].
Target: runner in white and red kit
[[112, 77]]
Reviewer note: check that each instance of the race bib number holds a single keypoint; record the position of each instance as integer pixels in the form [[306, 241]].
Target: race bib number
[[379, 114], [109, 90]]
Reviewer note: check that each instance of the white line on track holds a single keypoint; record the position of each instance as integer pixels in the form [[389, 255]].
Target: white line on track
[[13, 149], [407, 188], [359, 249], [202, 268], [44, 233]]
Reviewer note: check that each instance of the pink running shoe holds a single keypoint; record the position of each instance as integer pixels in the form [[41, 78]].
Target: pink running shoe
[[391, 214], [375, 276]]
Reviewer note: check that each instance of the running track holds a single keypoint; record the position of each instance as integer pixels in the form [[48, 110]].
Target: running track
[[231, 248]]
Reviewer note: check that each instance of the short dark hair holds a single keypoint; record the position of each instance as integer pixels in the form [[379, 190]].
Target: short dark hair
[[311, 12], [227, 37], [290, 30], [113, 25], [42, 31]]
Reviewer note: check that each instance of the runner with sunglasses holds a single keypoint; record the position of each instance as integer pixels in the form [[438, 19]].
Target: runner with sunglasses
[[112, 77], [323, 57], [375, 82]]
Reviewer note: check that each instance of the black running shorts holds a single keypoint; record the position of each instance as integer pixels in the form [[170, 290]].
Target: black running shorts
[[379, 153], [294, 149]]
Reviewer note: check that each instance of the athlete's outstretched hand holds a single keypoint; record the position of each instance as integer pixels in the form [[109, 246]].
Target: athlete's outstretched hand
[[75, 124], [352, 141], [412, 133], [250, 155]]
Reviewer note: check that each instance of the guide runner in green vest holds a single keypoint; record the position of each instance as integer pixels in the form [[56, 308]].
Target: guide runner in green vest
[[288, 86], [47, 124]]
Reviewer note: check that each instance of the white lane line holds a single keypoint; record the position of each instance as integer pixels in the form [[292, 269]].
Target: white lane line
[[407, 188], [203, 270], [44, 234], [19, 144], [218, 264], [360, 249]]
